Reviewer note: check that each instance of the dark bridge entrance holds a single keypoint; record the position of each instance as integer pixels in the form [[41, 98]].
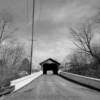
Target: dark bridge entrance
[[50, 64]]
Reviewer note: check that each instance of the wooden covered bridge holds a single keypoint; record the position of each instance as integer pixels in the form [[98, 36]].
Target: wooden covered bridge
[[50, 64]]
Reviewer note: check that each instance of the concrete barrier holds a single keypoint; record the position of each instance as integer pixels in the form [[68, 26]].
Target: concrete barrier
[[92, 82], [21, 82]]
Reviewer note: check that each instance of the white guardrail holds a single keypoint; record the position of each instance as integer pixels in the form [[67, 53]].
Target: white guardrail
[[93, 82], [21, 82]]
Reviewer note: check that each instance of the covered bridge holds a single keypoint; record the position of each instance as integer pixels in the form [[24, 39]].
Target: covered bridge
[[50, 64]]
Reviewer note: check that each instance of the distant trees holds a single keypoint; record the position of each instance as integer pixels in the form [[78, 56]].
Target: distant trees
[[10, 62], [25, 65], [82, 64], [78, 60], [11, 55]]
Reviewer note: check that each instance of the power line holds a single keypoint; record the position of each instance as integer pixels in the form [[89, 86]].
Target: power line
[[27, 10], [39, 19]]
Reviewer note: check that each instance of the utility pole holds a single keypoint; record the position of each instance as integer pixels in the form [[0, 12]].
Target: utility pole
[[32, 36]]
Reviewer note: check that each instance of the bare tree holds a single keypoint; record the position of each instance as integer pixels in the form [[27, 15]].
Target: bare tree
[[6, 18], [83, 40], [11, 56], [77, 59], [10, 61]]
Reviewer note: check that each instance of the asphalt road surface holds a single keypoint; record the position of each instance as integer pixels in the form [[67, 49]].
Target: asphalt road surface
[[52, 87]]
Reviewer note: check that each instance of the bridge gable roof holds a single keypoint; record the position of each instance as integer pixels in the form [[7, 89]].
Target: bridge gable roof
[[49, 61]]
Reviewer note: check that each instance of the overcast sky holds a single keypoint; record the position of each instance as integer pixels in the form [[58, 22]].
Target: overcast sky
[[52, 20]]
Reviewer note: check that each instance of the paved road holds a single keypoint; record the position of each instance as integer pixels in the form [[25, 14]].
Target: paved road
[[52, 87]]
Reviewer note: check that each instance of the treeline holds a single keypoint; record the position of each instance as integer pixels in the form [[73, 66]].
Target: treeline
[[12, 54], [12, 63], [85, 60], [83, 65]]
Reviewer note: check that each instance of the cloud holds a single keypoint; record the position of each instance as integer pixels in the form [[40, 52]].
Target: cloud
[[52, 27], [73, 11], [52, 20]]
